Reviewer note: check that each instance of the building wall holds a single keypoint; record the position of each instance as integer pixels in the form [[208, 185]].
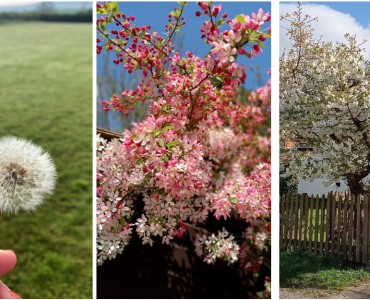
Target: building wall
[[316, 187]]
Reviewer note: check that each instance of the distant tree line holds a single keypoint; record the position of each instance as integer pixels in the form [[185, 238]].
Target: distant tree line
[[84, 16]]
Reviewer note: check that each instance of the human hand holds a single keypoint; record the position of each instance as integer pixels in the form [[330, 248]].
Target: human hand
[[7, 263]]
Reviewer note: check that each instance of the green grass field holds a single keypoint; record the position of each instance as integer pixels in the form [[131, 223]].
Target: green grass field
[[299, 269], [46, 96]]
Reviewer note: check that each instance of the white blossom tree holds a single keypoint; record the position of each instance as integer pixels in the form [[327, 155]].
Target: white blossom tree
[[324, 103]]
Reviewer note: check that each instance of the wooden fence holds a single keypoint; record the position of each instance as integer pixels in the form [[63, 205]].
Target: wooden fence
[[338, 224]]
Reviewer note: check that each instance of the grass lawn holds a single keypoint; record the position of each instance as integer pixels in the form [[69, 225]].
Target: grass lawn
[[46, 96], [299, 269]]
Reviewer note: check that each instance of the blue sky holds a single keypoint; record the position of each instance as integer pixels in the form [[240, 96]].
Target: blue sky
[[359, 10], [155, 14], [335, 19]]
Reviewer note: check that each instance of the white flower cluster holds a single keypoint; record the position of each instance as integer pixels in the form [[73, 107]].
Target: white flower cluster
[[257, 235], [220, 246], [325, 104], [113, 212], [162, 211], [27, 175], [109, 244]]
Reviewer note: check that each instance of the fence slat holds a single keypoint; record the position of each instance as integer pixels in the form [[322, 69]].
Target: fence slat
[[296, 222], [322, 223], [291, 214], [305, 229], [351, 228], [358, 225], [346, 228], [333, 210], [282, 223], [286, 220], [338, 224], [365, 230], [317, 208], [301, 216], [328, 215], [310, 229]]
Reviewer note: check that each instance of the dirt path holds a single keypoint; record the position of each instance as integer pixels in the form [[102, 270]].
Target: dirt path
[[360, 291]]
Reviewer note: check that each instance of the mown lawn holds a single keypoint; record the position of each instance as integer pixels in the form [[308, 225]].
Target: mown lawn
[[46, 96], [301, 270]]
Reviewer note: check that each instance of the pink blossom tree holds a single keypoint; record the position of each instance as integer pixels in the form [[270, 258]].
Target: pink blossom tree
[[199, 152]]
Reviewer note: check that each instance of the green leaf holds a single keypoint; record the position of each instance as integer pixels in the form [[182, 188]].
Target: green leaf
[[166, 107], [161, 143], [216, 81], [172, 144], [101, 11], [240, 18], [140, 160], [262, 45], [232, 200], [157, 133], [221, 22], [168, 127], [172, 13], [112, 6]]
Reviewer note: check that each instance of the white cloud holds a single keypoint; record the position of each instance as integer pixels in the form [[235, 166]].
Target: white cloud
[[331, 25]]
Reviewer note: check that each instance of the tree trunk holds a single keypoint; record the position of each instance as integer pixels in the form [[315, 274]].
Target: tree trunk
[[354, 184]]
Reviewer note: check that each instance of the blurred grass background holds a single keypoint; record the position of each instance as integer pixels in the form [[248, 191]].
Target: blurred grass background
[[46, 96]]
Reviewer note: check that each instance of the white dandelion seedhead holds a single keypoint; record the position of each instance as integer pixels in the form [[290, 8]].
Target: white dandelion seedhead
[[27, 175]]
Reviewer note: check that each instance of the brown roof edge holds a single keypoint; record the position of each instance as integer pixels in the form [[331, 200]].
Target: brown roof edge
[[106, 134]]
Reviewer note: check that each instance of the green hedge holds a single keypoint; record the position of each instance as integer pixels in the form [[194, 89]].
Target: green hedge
[[79, 17]]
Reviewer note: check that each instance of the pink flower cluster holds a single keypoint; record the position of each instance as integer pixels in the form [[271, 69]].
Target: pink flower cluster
[[255, 245], [250, 196], [199, 151]]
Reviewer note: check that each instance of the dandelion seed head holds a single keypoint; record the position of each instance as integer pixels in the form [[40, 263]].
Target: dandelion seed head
[[27, 175]]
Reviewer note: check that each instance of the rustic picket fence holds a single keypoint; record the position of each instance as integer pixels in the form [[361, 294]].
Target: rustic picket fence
[[337, 224]]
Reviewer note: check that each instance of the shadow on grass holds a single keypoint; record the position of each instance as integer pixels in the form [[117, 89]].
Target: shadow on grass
[[300, 269]]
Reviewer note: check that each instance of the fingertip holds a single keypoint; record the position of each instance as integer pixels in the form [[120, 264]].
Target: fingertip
[[8, 260]]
